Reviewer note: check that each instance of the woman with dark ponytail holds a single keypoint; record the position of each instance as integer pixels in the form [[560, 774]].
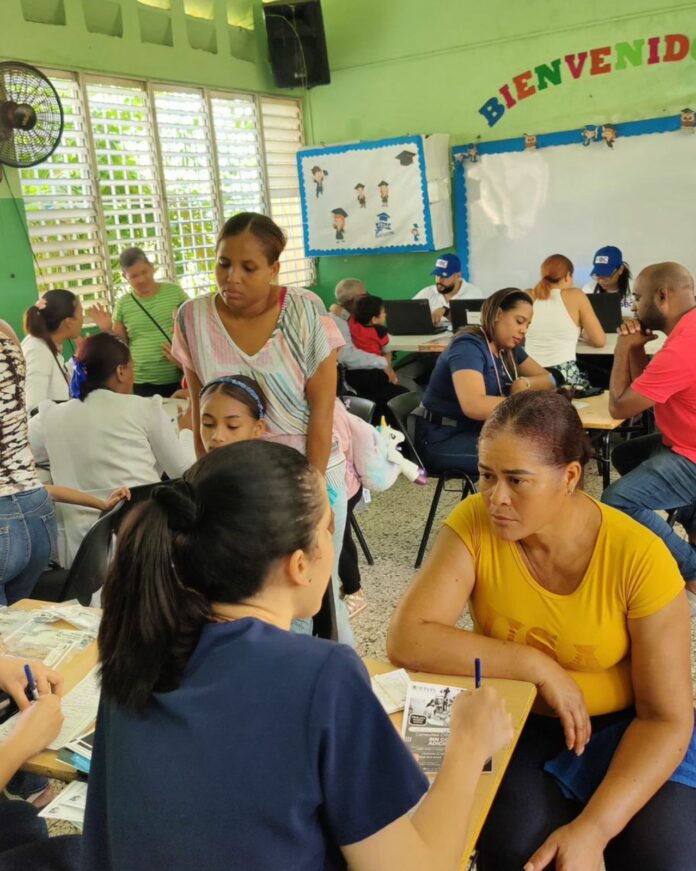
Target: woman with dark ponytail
[[105, 437], [56, 318], [226, 741]]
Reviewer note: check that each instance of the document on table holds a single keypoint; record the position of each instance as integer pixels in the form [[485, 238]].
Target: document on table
[[390, 688], [68, 805], [79, 711]]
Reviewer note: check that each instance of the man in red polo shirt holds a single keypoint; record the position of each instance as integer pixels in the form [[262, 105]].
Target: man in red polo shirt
[[659, 471]]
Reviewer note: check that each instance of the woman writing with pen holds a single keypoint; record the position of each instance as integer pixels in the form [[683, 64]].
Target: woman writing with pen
[[24, 841], [590, 607]]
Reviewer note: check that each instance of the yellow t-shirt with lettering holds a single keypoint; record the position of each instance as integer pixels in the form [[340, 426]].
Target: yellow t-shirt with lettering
[[631, 574]]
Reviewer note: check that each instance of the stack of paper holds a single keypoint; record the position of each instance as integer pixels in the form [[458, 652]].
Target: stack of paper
[[390, 689], [68, 805]]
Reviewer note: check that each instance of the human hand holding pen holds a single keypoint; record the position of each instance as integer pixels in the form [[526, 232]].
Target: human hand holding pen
[[13, 679]]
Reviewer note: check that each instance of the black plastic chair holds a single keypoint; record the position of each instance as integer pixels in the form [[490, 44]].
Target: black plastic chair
[[402, 407], [88, 571], [365, 410]]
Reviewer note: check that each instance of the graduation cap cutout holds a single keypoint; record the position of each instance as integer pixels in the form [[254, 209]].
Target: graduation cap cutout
[[358, 186], [379, 185], [383, 216], [406, 157], [339, 212]]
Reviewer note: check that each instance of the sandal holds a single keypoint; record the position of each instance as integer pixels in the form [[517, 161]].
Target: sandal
[[355, 603]]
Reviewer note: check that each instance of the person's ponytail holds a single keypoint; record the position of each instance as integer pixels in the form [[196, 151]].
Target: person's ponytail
[[44, 318], [152, 620], [553, 270]]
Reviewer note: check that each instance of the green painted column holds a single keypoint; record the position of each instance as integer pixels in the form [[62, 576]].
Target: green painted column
[[17, 279]]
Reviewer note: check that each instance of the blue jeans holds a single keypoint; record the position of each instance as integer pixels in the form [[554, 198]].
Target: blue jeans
[[27, 539], [444, 448], [661, 482]]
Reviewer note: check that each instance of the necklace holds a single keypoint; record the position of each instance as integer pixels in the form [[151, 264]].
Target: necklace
[[495, 366]]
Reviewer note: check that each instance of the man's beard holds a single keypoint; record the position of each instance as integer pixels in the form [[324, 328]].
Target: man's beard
[[653, 319]]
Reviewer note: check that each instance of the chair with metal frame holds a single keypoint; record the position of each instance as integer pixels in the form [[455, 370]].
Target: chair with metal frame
[[402, 407]]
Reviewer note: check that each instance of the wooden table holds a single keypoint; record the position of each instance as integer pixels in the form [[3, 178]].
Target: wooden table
[[436, 344], [518, 696], [594, 414], [77, 667]]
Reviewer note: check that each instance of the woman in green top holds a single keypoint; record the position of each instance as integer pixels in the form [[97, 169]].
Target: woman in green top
[[144, 319]]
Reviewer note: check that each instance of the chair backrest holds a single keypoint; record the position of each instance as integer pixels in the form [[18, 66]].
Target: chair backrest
[[360, 407], [401, 407], [88, 570], [138, 494]]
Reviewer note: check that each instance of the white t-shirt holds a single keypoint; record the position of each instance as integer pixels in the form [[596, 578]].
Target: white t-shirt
[[106, 442], [47, 374], [436, 300]]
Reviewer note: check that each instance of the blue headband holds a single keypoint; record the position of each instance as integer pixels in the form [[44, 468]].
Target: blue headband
[[79, 378], [227, 379]]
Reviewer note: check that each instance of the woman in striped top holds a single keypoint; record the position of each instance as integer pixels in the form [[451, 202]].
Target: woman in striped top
[[272, 334]]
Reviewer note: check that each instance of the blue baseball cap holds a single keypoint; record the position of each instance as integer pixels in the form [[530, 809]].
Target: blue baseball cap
[[606, 261], [447, 265]]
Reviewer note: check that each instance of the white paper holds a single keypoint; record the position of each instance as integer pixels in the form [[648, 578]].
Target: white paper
[[79, 708], [68, 805], [390, 689]]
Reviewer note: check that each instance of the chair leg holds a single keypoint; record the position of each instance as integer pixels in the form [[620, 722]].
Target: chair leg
[[361, 539], [430, 520]]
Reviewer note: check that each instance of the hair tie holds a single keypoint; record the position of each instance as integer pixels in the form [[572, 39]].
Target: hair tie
[[227, 379], [41, 303], [79, 378], [178, 500]]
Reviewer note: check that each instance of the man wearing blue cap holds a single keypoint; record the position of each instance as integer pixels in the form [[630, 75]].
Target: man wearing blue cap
[[449, 285]]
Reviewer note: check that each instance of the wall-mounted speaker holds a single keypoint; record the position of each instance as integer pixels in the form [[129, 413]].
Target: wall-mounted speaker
[[297, 44]]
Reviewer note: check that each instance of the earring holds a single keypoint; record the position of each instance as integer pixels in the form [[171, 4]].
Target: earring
[[570, 491]]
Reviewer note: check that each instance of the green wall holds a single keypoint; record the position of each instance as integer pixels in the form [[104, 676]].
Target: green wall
[[17, 280], [397, 66], [411, 66]]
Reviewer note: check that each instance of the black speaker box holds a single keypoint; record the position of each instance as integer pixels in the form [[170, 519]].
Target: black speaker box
[[297, 44]]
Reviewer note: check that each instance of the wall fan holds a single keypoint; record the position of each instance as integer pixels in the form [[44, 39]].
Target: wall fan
[[31, 116]]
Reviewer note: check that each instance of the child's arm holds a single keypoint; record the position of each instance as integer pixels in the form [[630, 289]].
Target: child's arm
[[69, 496], [387, 354]]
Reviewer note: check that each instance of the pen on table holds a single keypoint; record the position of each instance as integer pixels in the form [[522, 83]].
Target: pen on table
[[477, 673], [30, 681]]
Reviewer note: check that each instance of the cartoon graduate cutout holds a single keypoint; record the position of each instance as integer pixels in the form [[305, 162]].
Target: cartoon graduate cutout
[[360, 193], [383, 187], [319, 174], [415, 232], [339, 223]]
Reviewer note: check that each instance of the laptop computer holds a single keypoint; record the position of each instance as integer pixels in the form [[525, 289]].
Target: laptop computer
[[607, 307], [410, 317]]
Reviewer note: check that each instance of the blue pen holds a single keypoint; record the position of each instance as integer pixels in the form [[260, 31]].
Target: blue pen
[[477, 673], [30, 681]]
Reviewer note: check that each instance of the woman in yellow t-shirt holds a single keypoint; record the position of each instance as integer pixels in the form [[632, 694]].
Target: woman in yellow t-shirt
[[589, 606]]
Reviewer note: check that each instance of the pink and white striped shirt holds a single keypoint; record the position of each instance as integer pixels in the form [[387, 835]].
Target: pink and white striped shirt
[[282, 367]]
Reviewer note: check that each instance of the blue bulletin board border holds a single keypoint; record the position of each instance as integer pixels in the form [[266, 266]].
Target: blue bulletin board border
[[415, 141], [545, 140]]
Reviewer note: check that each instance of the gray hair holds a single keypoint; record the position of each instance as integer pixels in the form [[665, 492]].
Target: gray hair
[[347, 289], [130, 256]]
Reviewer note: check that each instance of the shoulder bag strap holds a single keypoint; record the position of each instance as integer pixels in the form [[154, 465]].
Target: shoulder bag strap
[[137, 301]]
